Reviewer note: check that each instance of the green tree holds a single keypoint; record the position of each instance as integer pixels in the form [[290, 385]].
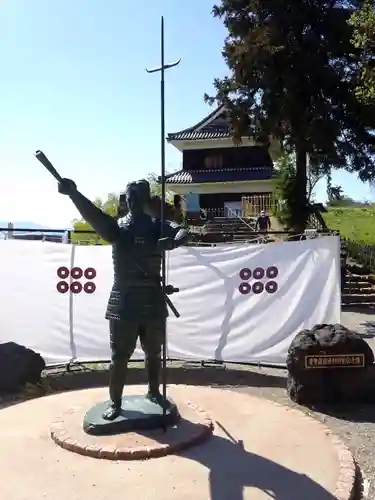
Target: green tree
[[285, 183], [292, 75], [109, 206], [363, 22], [335, 193], [285, 180], [155, 186]]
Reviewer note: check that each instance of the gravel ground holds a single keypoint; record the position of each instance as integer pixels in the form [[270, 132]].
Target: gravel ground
[[355, 425]]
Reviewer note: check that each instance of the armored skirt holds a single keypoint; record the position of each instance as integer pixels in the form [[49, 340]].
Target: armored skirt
[[136, 293], [136, 302]]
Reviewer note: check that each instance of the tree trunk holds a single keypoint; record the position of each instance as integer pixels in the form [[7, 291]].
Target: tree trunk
[[300, 217]]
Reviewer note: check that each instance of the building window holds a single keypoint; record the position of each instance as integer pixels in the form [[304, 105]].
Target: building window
[[212, 162]]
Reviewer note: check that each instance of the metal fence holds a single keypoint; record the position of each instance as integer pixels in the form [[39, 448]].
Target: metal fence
[[252, 205], [36, 234], [364, 254], [199, 237], [33, 234]]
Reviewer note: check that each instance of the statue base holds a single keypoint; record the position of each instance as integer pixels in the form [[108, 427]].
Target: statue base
[[138, 413]]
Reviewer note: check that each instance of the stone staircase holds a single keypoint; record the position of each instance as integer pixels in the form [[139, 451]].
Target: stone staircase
[[358, 289], [233, 229]]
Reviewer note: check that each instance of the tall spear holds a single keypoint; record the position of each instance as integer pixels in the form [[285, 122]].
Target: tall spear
[[162, 69]]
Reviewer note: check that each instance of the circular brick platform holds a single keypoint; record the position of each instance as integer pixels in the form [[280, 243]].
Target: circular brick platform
[[258, 450], [194, 428]]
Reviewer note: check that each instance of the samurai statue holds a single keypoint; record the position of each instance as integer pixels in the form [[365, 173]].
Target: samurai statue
[[137, 305]]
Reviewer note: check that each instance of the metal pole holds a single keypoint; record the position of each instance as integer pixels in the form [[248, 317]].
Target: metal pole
[[162, 69]]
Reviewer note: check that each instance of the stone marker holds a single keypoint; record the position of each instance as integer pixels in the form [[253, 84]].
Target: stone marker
[[328, 364]]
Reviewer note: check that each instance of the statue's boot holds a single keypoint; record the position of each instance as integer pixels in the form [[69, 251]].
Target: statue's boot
[[153, 367], [117, 377]]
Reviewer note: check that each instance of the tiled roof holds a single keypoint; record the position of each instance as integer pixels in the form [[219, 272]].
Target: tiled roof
[[214, 126], [189, 136], [222, 175]]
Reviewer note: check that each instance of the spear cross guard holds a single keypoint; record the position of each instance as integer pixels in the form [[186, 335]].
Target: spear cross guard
[[161, 69]]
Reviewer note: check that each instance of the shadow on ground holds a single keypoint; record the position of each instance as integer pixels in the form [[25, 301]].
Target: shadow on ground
[[358, 413], [210, 376], [358, 308], [232, 469], [85, 377], [232, 377]]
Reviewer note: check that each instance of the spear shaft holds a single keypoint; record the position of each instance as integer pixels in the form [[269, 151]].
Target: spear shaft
[[161, 69]]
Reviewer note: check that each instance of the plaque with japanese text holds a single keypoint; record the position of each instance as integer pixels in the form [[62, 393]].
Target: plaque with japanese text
[[317, 361]]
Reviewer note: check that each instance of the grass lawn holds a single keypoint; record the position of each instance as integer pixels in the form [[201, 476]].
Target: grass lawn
[[355, 223]]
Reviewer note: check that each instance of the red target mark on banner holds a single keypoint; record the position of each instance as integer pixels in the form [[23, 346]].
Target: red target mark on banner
[[258, 273], [272, 272], [260, 284], [76, 273], [271, 287], [62, 287], [63, 272], [245, 274], [90, 273], [244, 288], [89, 287], [76, 287], [258, 287]]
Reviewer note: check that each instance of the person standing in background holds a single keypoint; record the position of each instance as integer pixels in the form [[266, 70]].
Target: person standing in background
[[263, 223]]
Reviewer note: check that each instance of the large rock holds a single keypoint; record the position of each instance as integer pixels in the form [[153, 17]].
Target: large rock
[[316, 384], [19, 366]]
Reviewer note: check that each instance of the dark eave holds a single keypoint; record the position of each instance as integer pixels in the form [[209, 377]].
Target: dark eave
[[222, 175]]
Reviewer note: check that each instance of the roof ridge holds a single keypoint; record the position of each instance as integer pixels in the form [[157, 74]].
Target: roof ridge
[[205, 121]]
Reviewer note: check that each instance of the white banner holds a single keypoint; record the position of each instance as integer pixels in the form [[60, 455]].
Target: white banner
[[32, 312], [246, 303], [240, 303], [91, 336]]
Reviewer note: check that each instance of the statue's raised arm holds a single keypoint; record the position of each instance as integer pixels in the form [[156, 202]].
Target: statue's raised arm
[[174, 236], [103, 224]]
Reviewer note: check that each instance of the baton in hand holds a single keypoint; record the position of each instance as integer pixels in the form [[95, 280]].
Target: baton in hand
[[48, 165]]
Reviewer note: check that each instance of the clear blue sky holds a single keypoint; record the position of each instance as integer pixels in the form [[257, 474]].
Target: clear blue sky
[[73, 83]]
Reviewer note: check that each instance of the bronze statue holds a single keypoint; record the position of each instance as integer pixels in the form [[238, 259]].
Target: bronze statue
[[137, 305]]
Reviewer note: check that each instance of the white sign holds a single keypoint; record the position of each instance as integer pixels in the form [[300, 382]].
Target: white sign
[[242, 303]]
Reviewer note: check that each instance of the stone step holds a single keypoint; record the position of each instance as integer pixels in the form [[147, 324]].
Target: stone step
[[358, 299], [227, 228], [358, 290], [358, 269], [354, 278], [358, 284]]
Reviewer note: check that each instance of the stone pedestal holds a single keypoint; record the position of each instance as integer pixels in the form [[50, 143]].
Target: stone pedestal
[[138, 413]]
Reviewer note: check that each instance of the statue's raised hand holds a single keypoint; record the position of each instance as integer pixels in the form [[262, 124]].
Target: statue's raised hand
[[165, 244], [67, 186]]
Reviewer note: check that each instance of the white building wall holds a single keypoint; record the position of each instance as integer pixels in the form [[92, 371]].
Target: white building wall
[[249, 187]]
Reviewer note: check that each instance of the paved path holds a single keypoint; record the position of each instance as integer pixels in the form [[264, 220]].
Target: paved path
[[362, 321], [259, 451]]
